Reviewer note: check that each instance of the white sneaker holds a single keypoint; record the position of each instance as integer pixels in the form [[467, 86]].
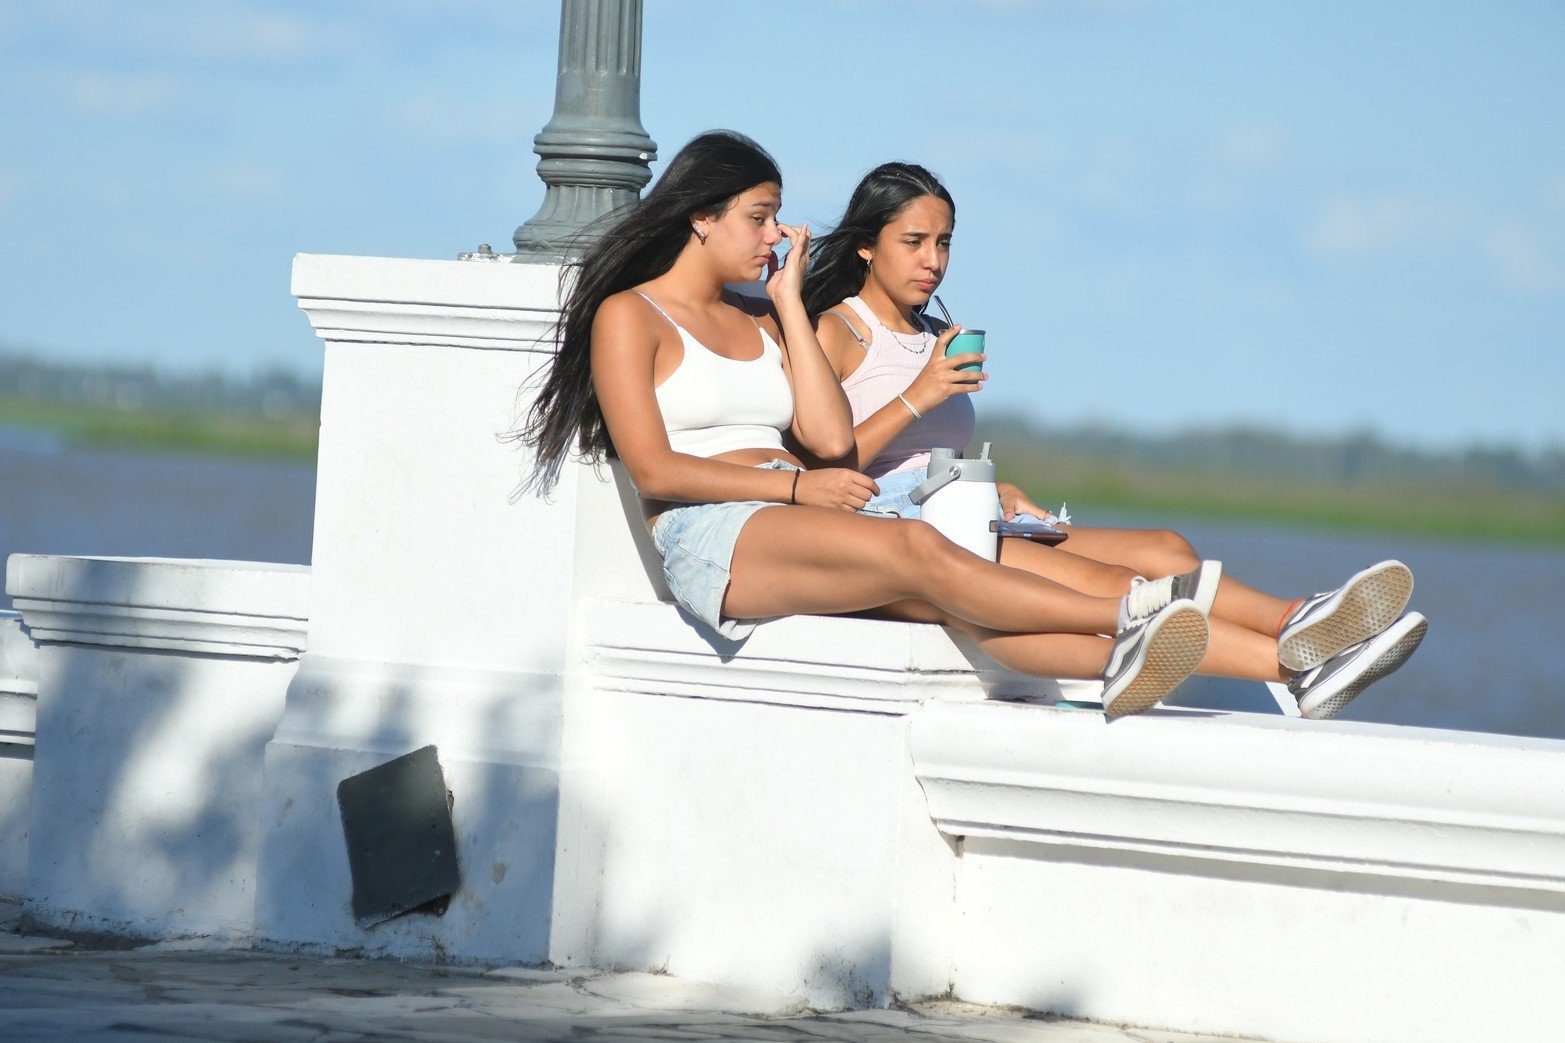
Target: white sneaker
[[1149, 596], [1325, 690], [1152, 656], [1327, 623]]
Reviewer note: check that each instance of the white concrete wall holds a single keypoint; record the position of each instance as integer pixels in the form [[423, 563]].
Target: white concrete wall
[[1231, 873], [440, 607], [749, 814], [844, 809], [159, 684], [18, 723]]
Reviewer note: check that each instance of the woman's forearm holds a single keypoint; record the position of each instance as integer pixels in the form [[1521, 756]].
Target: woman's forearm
[[879, 430], [681, 478], [823, 420]]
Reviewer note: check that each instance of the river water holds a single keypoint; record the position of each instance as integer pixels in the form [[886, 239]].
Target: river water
[[1486, 664]]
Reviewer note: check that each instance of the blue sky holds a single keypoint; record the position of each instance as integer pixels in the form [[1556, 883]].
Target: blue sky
[[1320, 216]]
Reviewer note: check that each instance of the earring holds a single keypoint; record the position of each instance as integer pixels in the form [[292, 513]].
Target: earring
[[699, 234]]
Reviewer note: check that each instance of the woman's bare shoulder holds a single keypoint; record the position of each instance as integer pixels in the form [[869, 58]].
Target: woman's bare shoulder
[[627, 318], [843, 350]]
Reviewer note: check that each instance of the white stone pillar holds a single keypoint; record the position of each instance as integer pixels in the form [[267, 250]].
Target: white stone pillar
[[159, 684], [18, 714], [439, 610]]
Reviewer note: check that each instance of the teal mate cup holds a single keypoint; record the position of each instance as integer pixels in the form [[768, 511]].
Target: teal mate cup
[[966, 343]]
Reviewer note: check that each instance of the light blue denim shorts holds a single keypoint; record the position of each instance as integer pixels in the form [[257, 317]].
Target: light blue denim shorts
[[895, 490], [697, 545]]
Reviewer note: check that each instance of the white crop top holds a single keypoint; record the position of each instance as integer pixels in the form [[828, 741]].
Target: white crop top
[[712, 404]]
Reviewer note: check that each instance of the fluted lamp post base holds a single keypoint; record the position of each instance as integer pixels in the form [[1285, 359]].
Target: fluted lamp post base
[[594, 155]]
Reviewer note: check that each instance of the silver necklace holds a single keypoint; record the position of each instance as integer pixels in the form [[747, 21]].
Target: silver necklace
[[901, 338]]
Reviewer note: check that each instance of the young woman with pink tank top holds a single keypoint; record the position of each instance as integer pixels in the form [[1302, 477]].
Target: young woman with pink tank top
[[868, 285], [692, 387]]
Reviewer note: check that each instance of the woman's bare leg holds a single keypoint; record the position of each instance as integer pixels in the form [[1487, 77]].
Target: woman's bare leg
[[1097, 578], [1237, 651], [810, 559], [1233, 650], [1079, 656], [1155, 553]]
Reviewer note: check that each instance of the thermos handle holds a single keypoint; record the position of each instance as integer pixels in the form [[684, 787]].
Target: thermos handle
[[933, 484]]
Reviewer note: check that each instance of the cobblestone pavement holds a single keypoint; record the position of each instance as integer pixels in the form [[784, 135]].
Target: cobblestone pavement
[[53, 990]]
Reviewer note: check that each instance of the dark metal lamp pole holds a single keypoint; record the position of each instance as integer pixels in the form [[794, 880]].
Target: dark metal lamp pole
[[594, 154]]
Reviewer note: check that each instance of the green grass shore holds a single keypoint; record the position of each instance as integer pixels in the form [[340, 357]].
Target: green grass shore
[[227, 433], [1051, 474], [1453, 512]]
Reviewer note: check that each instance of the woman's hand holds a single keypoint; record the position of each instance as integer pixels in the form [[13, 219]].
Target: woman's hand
[[940, 378], [785, 281], [835, 487], [1013, 502]]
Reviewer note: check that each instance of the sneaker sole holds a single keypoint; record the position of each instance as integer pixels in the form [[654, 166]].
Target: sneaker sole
[[1206, 587], [1368, 604], [1173, 651], [1329, 705]]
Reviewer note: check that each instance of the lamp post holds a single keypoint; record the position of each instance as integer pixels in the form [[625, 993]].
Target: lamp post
[[594, 154]]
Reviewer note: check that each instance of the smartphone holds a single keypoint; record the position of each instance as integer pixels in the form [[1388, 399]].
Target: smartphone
[[1038, 532]]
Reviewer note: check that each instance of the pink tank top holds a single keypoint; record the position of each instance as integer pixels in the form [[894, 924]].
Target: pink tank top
[[891, 363]]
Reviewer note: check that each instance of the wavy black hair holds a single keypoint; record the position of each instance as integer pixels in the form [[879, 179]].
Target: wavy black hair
[[641, 243], [837, 271]]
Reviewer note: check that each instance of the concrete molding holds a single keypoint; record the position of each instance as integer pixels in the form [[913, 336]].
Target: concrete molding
[[163, 603], [823, 662], [387, 709], [458, 304], [18, 682], [1453, 808]]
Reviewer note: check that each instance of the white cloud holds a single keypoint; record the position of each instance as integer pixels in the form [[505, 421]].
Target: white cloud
[[1252, 148], [247, 181], [1522, 256], [205, 29], [448, 121], [1521, 260], [103, 94], [1349, 227]]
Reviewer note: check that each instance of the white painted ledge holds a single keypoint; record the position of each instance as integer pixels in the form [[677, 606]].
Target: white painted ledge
[[1457, 808], [231, 608], [18, 682], [826, 662], [461, 304]]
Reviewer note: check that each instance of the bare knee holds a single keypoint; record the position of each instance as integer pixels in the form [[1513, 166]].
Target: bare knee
[[918, 555], [1115, 579], [1168, 554]]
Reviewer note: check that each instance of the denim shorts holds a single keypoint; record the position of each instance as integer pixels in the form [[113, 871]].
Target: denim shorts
[[895, 489], [697, 545]]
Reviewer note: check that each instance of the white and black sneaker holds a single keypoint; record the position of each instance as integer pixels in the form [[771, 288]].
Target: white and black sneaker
[[1327, 623], [1325, 690], [1151, 656], [1149, 596]]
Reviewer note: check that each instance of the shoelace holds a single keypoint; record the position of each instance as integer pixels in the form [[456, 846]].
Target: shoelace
[[1148, 596]]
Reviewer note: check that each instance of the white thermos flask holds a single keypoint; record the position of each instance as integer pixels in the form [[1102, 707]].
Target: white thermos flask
[[960, 499]]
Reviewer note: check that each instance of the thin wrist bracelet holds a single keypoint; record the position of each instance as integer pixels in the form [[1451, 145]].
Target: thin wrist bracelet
[[916, 414], [793, 495]]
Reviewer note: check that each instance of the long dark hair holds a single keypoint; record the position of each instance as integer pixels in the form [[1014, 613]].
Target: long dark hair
[[836, 270], [641, 243]]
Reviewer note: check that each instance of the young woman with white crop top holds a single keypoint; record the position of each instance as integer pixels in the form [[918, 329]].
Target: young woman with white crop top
[[693, 387], [868, 284]]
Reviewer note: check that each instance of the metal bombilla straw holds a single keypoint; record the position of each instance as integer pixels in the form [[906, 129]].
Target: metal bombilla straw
[[942, 306]]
